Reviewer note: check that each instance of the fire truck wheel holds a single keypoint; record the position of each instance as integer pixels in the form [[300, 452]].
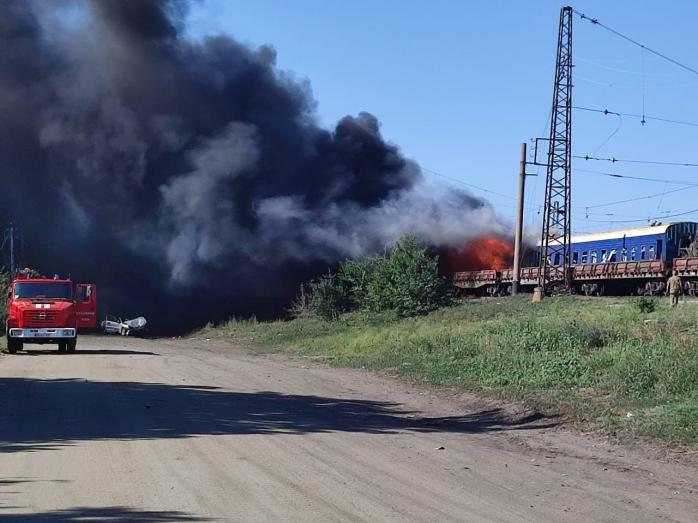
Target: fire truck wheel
[[70, 345], [13, 346], [62, 346]]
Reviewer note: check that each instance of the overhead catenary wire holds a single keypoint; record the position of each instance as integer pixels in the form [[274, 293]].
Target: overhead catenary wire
[[595, 21], [686, 185], [613, 159], [531, 151], [661, 200], [616, 215], [633, 115], [639, 198], [612, 85], [638, 178], [471, 185], [610, 136], [596, 63], [644, 118], [643, 121], [649, 219]]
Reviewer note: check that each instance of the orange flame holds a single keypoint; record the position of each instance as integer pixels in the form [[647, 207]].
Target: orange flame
[[484, 253]]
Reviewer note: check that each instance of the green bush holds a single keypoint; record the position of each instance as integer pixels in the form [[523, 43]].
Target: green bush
[[406, 281], [355, 275], [645, 304], [328, 296]]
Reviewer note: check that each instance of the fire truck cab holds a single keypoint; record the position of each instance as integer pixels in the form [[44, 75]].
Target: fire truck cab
[[43, 310]]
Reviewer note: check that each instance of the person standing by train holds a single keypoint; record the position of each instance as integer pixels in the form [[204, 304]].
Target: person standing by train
[[674, 288]]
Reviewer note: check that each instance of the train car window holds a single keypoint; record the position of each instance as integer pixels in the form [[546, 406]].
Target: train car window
[[575, 257], [612, 256], [652, 257], [642, 252], [592, 256], [660, 246], [584, 257], [603, 256], [557, 259], [624, 255], [633, 253]]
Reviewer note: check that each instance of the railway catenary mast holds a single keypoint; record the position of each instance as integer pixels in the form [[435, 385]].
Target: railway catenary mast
[[555, 239]]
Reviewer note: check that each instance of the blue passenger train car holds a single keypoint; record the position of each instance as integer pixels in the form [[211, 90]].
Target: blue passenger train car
[[654, 242], [633, 260], [627, 261]]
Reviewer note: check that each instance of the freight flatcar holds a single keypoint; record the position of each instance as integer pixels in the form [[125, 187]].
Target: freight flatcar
[[629, 261]]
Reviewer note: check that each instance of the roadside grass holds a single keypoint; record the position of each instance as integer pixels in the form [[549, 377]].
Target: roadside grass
[[605, 362]]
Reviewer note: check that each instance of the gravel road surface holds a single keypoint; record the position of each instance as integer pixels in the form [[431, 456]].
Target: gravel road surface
[[190, 430]]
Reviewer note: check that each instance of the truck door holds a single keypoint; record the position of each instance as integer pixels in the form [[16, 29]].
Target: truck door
[[86, 305]]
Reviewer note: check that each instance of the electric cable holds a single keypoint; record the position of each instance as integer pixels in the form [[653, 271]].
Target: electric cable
[[632, 115], [637, 199], [639, 178], [623, 160], [610, 136], [456, 180], [643, 120], [649, 219], [620, 70], [595, 21]]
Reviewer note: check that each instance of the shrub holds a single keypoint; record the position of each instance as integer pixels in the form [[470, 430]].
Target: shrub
[[329, 296], [406, 281], [645, 304], [300, 306], [355, 276]]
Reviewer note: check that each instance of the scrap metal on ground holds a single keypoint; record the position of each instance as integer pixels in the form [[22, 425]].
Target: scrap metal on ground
[[114, 325]]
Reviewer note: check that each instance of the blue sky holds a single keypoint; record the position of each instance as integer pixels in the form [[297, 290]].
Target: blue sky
[[458, 85]]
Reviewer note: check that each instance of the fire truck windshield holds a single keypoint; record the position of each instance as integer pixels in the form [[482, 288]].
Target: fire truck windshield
[[59, 291]]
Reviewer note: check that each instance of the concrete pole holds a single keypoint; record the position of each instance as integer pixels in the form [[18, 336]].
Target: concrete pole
[[518, 232]]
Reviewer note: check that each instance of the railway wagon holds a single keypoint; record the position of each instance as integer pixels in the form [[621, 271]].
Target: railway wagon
[[629, 261]]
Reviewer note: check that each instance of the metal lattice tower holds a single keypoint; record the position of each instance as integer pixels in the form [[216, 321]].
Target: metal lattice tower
[[11, 248], [555, 239]]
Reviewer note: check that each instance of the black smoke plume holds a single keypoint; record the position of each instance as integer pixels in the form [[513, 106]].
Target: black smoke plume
[[189, 179]]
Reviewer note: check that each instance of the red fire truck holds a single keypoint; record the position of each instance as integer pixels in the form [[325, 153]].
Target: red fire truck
[[43, 310]]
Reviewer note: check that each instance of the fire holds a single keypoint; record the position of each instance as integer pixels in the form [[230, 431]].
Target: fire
[[484, 253]]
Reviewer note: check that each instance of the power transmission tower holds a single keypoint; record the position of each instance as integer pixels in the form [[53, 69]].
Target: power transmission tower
[[555, 241], [11, 247]]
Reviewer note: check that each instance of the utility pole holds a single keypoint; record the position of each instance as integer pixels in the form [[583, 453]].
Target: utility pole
[[555, 239], [518, 233]]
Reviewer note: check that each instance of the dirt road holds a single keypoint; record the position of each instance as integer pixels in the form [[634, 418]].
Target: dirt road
[[133, 430]]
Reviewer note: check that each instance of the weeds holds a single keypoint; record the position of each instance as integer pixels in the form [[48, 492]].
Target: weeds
[[594, 359]]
